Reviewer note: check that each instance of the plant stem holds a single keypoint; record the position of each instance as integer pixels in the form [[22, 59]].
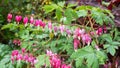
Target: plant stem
[[93, 28]]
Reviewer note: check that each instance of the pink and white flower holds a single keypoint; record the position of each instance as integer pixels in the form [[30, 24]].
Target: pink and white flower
[[25, 20], [18, 18], [65, 66], [55, 28], [49, 53], [15, 52], [68, 32], [23, 50], [86, 39], [19, 57], [99, 31], [9, 17], [31, 20], [78, 32], [76, 43], [62, 28], [39, 23], [49, 25]]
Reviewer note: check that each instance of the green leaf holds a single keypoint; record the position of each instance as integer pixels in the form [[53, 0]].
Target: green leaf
[[101, 16], [42, 36], [107, 20], [61, 4], [42, 60], [86, 53], [107, 37], [58, 14], [110, 49], [93, 43], [82, 13], [71, 5], [79, 62], [108, 11], [19, 64], [95, 64], [115, 43], [91, 56], [47, 61], [9, 26], [103, 58], [50, 8], [97, 16], [90, 59], [84, 7], [69, 16], [74, 14]]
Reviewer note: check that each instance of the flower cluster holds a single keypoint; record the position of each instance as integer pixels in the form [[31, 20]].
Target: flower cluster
[[79, 35], [18, 19], [55, 61], [39, 23], [17, 42], [101, 30], [23, 56]]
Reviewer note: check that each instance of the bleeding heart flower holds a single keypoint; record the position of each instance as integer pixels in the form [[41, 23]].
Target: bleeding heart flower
[[37, 23], [19, 57], [13, 59], [18, 18], [25, 20], [31, 20], [15, 52], [76, 43], [65, 66], [92, 33], [35, 61], [23, 50], [55, 28], [82, 31], [9, 17], [25, 57], [99, 31], [96, 46], [78, 32], [31, 59], [17, 42], [86, 38], [50, 25], [49, 53], [117, 63], [62, 28], [68, 32], [55, 62], [105, 66], [40, 23], [43, 25]]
